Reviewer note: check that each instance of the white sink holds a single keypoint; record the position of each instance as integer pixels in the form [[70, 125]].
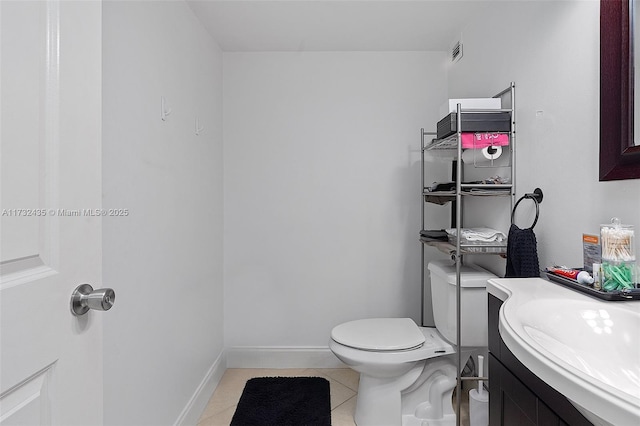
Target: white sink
[[587, 349]]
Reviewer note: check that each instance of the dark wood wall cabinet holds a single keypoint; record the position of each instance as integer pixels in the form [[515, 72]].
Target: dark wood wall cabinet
[[517, 396]]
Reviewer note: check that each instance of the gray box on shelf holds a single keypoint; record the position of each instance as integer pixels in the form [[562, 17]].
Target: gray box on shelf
[[474, 122]]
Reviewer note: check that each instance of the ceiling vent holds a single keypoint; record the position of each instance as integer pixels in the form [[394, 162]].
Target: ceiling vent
[[456, 51]]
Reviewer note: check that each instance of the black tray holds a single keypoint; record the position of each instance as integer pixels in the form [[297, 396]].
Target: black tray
[[617, 295]]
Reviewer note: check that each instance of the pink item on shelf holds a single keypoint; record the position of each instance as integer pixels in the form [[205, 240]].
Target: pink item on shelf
[[482, 140]]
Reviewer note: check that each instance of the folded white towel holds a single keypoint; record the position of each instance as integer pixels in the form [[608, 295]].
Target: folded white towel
[[478, 234]]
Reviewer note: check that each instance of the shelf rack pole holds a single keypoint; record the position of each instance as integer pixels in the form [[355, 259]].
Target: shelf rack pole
[[422, 228], [513, 143], [458, 264]]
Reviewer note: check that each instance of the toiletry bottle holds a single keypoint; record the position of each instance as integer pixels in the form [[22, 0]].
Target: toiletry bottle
[[597, 277]]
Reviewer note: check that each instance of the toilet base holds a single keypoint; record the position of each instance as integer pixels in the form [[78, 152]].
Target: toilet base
[[421, 397], [409, 420]]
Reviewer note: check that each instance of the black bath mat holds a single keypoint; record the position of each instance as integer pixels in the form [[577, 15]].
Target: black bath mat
[[284, 401]]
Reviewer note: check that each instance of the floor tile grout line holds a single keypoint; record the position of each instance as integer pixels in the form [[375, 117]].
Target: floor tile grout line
[[216, 414], [342, 403], [333, 378], [346, 385], [204, 420], [330, 378]]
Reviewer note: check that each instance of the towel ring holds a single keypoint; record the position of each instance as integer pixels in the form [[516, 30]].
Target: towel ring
[[536, 196]]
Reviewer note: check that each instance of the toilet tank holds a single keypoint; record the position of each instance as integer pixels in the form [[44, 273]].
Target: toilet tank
[[473, 302]]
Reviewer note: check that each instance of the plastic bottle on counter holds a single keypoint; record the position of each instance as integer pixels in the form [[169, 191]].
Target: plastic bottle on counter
[[597, 276]]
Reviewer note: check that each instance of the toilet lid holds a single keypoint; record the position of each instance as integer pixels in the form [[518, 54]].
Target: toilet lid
[[379, 334]]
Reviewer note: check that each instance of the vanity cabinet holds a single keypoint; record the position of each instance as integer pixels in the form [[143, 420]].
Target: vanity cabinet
[[517, 396]]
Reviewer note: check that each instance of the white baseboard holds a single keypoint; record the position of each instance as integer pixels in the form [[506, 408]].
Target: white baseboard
[[281, 357], [197, 403]]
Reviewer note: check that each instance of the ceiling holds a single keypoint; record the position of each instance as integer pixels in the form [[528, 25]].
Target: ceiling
[[336, 25]]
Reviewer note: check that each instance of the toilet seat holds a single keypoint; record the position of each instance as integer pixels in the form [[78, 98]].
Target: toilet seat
[[379, 334], [433, 346]]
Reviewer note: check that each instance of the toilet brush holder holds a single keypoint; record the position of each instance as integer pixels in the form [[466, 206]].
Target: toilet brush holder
[[478, 408], [479, 400]]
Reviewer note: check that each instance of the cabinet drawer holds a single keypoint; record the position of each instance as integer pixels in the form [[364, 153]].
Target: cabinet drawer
[[515, 403]]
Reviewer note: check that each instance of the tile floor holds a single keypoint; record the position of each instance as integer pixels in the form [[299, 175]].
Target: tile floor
[[343, 384]]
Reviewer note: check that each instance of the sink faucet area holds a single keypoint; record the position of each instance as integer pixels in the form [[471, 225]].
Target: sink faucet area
[[585, 348]]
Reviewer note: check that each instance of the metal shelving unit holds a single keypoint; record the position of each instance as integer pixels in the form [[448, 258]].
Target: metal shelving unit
[[463, 190]]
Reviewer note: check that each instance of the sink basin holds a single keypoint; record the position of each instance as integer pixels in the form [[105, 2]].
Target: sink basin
[[587, 349]]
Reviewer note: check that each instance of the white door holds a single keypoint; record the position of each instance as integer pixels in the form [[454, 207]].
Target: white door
[[50, 159]]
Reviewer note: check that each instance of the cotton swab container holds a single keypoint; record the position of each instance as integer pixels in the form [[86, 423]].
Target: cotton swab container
[[618, 256], [479, 400]]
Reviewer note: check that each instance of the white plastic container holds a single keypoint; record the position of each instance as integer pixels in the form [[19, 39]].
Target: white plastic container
[[617, 241], [618, 256], [473, 302], [478, 408], [469, 103]]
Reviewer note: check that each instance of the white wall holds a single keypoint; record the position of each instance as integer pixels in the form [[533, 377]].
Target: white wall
[[322, 190], [164, 260], [551, 51]]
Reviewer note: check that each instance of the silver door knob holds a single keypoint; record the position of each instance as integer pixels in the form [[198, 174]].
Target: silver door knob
[[84, 297]]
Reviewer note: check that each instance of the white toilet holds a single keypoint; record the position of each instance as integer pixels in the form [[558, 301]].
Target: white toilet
[[408, 373]]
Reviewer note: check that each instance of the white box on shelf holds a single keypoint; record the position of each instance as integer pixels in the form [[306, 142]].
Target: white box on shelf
[[471, 103]]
